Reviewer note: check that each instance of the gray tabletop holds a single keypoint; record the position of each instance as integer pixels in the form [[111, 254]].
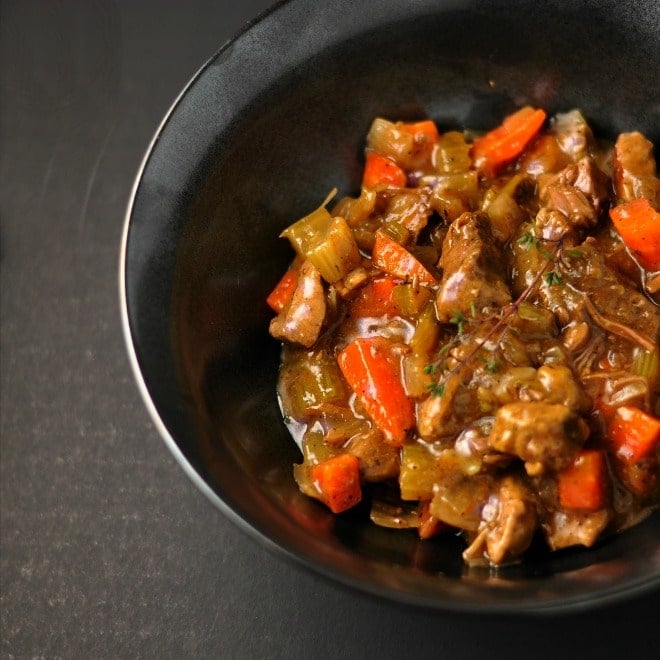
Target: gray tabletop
[[108, 550]]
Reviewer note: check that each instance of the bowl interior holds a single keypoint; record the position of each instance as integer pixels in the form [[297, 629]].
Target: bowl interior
[[262, 133]]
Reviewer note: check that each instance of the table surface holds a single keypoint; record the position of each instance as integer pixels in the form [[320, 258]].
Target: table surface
[[108, 550]]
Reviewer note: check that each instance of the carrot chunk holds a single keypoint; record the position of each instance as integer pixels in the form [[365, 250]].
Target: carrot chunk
[[338, 482], [372, 373], [376, 299], [380, 171], [280, 296], [582, 485], [393, 258], [634, 434], [506, 142], [422, 131], [638, 224]]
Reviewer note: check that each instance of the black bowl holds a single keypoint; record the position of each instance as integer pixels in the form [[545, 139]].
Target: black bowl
[[263, 131]]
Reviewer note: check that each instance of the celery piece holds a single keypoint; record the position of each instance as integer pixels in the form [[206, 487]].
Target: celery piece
[[416, 376], [410, 299], [305, 231], [646, 364], [310, 381], [427, 331], [464, 185], [315, 449], [534, 321], [397, 232], [335, 253], [356, 210], [326, 241], [419, 472], [452, 153], [448, 206], [388, 140], [504, 212]]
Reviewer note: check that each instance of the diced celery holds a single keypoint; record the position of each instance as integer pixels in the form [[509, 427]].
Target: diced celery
[[335, 253], [452, 153], [504, 212], [388, 140], [646, 364], [326, 241], [534, 321], [427, 331], [411, 299], [416, 376], [315, 449], [397, 232], [419, 472], [356, 210], [448, 206], [306, 230], [464, 185], [310, 380]]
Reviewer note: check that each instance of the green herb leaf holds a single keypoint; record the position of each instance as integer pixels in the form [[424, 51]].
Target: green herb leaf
[[492, 365], [552, 278], [445, 349], [459, 320], [527, 240], [574, 253], [436, 389]]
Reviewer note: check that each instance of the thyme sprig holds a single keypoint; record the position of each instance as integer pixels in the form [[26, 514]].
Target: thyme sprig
[[548, 273]]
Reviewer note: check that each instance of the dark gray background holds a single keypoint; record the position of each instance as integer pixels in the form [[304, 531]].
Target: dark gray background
[[108, 550]]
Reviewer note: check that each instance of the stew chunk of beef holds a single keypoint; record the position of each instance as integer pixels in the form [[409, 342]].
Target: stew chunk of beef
[[546, 436], [473, 269], [509, 520], [634, 169], [301, 320]]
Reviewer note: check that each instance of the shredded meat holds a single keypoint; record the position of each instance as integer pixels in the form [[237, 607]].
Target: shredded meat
[[546, 436], [473, 269], [634, 169], [509, 520], [616, 305], [301, 320]]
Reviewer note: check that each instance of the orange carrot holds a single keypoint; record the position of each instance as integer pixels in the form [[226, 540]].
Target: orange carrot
[[280, 296], [638, 224], [634, 434], [380, 171], [393, 258], [506, 142], [582, 485], [338, 481], [372, 373], [424, 130], [375, 299]]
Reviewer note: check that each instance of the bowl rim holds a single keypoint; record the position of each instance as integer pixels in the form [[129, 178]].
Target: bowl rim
[[525, 606]]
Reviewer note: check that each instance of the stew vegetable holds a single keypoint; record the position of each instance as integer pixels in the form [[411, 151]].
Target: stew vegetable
[[471, 344]]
